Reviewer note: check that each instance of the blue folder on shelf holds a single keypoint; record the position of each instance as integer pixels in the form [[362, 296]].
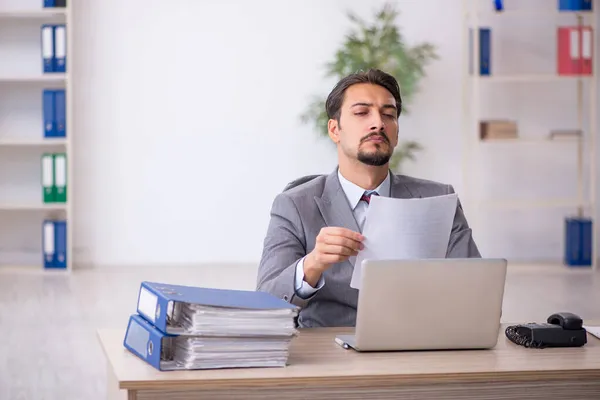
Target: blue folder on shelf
[[159, 303], [54, 244], [55, 116], [48, 48], [54, 48], [575, 5], [484, 52], [60, 113], [48, 105], [578, 242]]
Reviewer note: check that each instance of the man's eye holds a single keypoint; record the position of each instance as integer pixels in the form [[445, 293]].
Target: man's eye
[[360, 113], [390, 115]]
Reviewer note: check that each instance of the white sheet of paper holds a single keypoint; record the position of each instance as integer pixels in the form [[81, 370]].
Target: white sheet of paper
[[594, 330], [398, 229]]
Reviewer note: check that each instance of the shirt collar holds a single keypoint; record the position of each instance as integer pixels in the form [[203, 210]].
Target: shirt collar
[[354, 192]]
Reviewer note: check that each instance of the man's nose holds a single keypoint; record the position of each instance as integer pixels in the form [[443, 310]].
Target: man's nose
[[377, 123]]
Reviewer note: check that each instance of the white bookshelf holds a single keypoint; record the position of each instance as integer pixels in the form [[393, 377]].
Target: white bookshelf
[[531, 143], [22, 141]]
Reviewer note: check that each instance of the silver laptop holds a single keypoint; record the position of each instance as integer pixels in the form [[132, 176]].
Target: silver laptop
[[434, 304]]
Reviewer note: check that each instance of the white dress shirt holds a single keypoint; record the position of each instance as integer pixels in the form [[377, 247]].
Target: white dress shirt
[[353, 193]]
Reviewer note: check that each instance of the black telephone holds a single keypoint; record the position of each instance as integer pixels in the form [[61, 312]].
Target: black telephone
[[562, 329]]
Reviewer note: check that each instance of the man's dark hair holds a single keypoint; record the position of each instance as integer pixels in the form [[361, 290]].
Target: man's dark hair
[[335, 99]]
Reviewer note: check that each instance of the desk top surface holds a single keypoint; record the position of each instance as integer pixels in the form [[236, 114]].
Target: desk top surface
[[316, 358]]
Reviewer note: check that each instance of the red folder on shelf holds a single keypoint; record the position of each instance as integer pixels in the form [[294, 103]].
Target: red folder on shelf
[[575, 49]]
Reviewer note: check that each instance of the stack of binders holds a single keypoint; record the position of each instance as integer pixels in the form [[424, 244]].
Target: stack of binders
[[188, 328]]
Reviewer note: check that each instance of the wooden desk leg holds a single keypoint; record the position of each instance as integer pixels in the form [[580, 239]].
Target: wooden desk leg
[[112, 389]]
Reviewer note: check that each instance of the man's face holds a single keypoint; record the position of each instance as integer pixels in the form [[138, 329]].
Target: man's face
[[368, 127]]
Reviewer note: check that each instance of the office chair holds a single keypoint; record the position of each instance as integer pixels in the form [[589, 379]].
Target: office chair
[[300, 181]]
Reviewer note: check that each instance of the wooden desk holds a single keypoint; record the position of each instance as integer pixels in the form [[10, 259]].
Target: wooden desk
[[319, 368]]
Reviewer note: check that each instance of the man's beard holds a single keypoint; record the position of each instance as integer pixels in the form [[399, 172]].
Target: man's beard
[[377, 159]]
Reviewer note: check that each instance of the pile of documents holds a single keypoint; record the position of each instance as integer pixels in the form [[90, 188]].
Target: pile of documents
[[182, 327]]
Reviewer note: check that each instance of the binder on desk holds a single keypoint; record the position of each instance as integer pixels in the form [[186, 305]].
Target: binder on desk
[[48, 50], [48, 244], [48, 181], [49, 3], [60, 177], [60, 113], [186, 310], [168, 352], [60, 47], [49, 107]]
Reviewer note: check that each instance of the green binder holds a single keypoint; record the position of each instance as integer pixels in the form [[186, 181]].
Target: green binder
[[48, 187], [60, 177]]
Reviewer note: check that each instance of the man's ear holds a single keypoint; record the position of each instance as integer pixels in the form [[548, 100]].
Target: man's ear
[[334, 131]]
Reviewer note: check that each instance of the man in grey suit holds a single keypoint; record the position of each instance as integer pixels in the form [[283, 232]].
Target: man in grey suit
[[315, 229]]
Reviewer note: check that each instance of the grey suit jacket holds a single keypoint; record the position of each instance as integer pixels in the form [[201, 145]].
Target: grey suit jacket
[[297, 216]]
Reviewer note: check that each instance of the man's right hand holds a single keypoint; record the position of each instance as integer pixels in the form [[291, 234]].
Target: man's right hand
[[333, 245]]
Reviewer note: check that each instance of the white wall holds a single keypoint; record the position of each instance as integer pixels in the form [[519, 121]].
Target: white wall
[[187, 124]]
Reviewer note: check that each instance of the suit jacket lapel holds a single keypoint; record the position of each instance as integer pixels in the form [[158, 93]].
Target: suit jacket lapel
[[334, 205], [400, 190]]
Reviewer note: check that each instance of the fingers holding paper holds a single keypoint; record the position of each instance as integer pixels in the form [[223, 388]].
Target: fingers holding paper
[[333, 245]]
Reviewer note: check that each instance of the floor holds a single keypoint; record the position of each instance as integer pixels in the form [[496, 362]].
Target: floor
[[48, 321]]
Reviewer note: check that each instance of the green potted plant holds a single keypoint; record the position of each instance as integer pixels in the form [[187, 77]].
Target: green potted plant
[[378, 44]]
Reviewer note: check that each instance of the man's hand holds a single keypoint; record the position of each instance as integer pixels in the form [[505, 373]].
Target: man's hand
[[333, 245]]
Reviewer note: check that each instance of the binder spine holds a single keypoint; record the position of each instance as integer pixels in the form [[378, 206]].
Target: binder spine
[[60, 246], [48, 181], [49, 103], [60, 177], [48, 48], [49, 3], [485, 51], [60, 113], [144, 340], [48, 244], [60, 47], [152, 305]]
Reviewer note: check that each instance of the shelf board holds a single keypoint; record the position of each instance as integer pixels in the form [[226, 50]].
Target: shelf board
[[529, 13], [44, 78], [27, 269], [37, 142], [522, 140], [549, 203], [33, 206], [530, 77], [40, 13]]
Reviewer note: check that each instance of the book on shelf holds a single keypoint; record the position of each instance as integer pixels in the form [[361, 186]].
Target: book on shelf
[[497, 129], [185, 327]]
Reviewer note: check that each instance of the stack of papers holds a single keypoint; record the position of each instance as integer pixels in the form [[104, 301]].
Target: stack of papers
[[183, 327]]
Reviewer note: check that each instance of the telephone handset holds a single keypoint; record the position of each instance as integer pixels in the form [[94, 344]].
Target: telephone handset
[[562, 329]]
